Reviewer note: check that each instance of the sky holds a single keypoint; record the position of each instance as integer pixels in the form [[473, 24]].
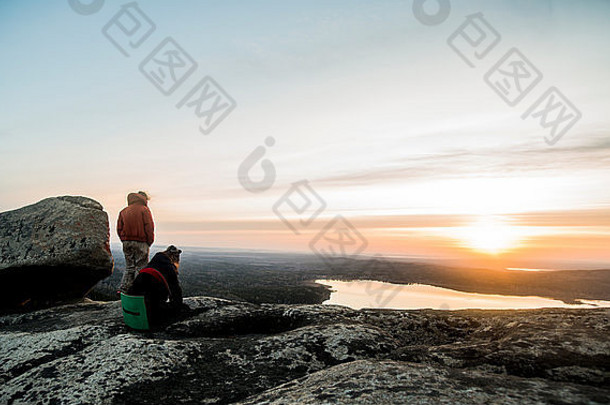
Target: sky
[[371, 111]]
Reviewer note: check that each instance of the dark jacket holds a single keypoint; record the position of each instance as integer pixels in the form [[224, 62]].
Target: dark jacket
[[135, 221], [155, 292]]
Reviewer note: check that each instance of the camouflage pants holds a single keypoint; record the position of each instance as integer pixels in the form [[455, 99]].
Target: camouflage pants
[[136, 257]]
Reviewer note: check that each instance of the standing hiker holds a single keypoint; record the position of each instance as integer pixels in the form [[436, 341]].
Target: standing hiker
[[136, 229]]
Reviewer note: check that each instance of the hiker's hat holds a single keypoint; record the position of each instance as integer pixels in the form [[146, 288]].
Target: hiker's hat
[[173, 249]]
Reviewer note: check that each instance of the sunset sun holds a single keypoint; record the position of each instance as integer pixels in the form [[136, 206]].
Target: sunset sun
[[489, 235]]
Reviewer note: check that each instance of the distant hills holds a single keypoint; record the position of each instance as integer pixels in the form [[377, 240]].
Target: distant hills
[[265, 277]]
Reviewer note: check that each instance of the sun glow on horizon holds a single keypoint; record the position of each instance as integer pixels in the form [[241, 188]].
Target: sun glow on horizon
[[490, 235]]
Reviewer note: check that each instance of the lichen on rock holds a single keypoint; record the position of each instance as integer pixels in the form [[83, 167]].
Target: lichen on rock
[[235, 352]]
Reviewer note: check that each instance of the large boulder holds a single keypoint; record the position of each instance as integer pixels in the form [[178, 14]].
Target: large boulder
[[52, 251]]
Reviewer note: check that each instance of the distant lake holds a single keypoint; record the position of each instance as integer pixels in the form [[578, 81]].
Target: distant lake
[[377, 294]]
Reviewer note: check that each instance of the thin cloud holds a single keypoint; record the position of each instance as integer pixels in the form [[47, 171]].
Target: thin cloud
[[480, 163]]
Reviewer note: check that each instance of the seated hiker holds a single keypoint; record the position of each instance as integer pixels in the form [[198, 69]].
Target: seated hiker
[[158, 282]]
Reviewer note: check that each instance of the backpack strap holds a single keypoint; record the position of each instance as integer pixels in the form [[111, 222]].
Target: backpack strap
[[158, 276]]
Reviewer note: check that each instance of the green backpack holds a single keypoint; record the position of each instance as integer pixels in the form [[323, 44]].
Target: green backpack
[[134, 312]]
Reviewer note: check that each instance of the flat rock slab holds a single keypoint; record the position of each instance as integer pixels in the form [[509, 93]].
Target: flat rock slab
[[224, 352], [391, 382], [54, 250]]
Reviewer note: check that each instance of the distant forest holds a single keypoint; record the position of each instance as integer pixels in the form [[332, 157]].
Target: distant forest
[[288, 278]]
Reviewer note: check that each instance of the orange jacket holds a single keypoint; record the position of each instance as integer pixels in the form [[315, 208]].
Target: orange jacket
[[135, 221]]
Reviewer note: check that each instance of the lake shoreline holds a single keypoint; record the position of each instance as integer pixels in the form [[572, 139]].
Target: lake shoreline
[[375, 294]]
